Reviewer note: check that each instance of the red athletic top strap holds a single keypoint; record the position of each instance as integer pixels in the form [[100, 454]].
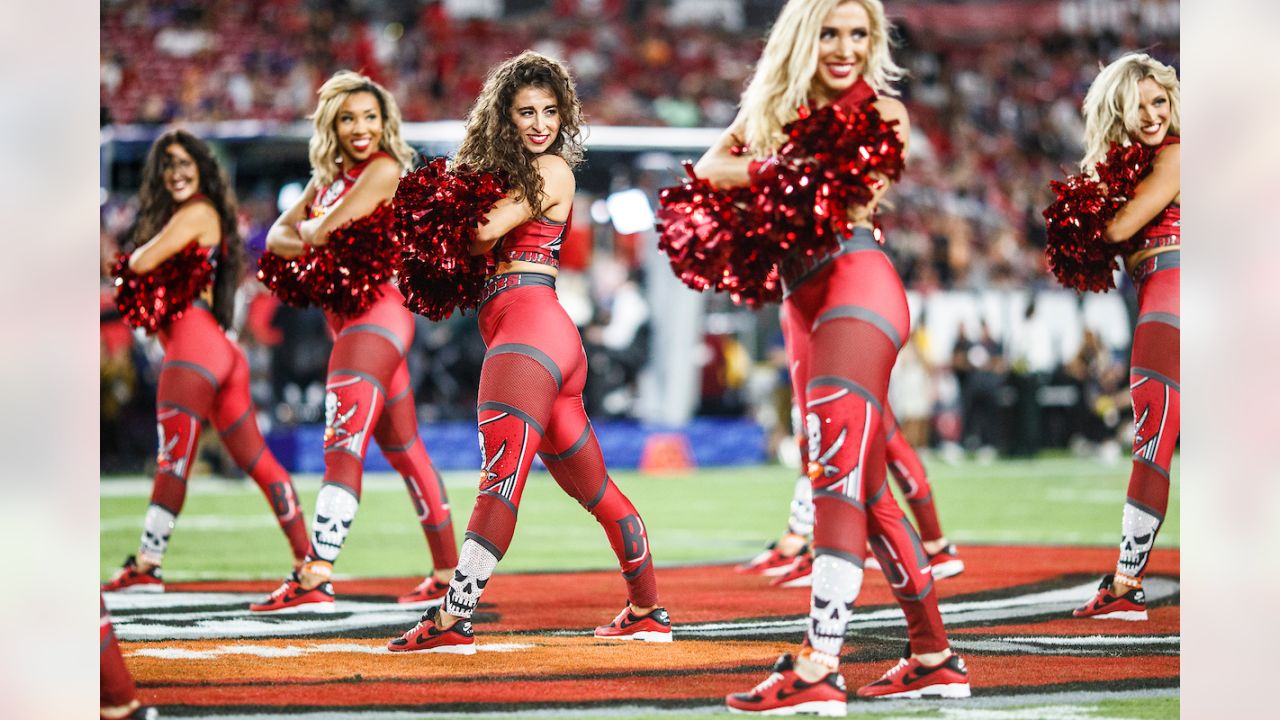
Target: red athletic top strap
[[536, 241], [1166, 228], [330, 194], [859, 94]]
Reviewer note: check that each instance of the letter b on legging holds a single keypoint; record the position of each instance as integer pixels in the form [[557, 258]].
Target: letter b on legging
[[633, 537]]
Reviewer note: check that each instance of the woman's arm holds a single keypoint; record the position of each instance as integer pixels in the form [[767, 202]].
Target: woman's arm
[[719, 166], [558, 186], [1152, 195], [283, 238], [375, 186], [195, 221]]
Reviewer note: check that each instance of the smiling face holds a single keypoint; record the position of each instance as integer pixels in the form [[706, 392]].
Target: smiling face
[[843, 45], [1153, 112], [358, 127], [536, 116], [180, 172]]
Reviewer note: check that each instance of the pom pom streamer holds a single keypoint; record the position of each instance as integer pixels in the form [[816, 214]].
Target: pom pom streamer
[[344, 276], [732, 239], [152, 301], [437, 212], [1075, 223]]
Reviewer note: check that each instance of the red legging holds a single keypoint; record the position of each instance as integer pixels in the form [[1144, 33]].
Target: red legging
[[848, 321], [530, 400], [205, 376], [116, 686], [1154, 381], [903, 461], [368, 396]]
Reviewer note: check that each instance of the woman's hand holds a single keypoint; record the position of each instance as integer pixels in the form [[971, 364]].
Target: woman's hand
[[283, 240], [309, 232]]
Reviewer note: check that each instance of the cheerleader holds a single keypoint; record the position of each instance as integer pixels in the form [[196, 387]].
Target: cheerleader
[[526, 124], [848, 319], [357, 158], [186, 205], [1134, 100]]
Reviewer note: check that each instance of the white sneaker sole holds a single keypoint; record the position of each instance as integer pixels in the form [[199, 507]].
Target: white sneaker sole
[[1130, 615], [779, 570], [148, 588], [950, 568], [317, 608], [802, 581], [421, 604], [870, 564], [822, 708], [642, 636], [453, 649], [953, 691]]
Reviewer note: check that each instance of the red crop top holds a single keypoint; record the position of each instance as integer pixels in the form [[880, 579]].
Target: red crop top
[[329, 195], [536, 241], [1166, 228]]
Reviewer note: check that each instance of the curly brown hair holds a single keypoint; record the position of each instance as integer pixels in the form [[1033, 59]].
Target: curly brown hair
[[156, 205], [492, 143]]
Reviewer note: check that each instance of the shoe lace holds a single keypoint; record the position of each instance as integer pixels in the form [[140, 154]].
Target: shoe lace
[[282, 590], [902, 663], [768, 682]]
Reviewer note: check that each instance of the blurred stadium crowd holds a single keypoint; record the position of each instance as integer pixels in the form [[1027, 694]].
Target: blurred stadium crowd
[[994, 93]]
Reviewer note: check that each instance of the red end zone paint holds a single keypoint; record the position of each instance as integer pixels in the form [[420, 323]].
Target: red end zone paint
[[563, 671]]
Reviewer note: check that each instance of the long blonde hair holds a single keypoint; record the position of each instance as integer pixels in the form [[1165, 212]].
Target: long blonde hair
[[323, 148], [492, 142], [784, 75], [1111, 107]]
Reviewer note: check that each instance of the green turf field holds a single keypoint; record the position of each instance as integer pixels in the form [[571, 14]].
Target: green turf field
[[227, 531]]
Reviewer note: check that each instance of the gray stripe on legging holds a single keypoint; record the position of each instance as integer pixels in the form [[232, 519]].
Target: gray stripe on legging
[[845, 383], [359, 374], [532, 352], [1160, 317], [239, 421], [850, 557], [636, 573], [483, 542], [511, 410], [1157, 376], [1145, 509], [1151, 464], [376, 330], [839, 496], [577, 445], [198, 369], [857, 312]]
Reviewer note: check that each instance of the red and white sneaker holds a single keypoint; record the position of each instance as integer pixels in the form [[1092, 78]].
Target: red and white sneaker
[[912, 679], [1106, 605], [429, 592], [785, 693], [129, 579], [770, 562], [946, 563], [654, 627], [426, 636], [799, 575], [292, 597]]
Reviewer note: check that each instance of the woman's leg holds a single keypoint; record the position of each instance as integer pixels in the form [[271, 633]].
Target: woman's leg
[[233, 416], [397, 435]]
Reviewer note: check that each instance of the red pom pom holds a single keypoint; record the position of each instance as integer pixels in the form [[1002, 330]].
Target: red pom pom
[[152, 301], [732, 239], [711, 238], [345, 276], [1075, 223], [834, 160], [286, 279], [437, 212]]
